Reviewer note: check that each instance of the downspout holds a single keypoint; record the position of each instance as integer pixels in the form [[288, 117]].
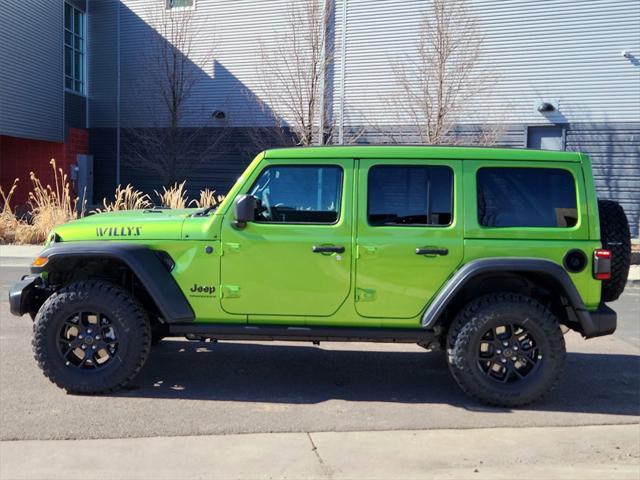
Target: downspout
[[323, 82], [86, 66], [343, 61], [118, 93]]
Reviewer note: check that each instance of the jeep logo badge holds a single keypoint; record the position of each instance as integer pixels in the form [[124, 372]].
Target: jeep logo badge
[[202, 290]]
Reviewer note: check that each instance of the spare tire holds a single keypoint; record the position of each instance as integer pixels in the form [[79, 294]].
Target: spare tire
[[616, 237]]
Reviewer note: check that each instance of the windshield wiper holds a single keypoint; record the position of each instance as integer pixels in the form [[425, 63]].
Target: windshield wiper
[[205, 212]]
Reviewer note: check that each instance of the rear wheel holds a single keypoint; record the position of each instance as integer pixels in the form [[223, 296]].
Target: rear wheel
[[506, 349], [91, 337]]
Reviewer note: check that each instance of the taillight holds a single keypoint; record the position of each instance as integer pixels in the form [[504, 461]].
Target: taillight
[[602, 264]]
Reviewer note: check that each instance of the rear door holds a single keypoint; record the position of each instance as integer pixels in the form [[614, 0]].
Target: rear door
[[409, 234]]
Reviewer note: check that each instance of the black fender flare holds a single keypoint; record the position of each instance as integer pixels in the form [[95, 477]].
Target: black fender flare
[[554, 272], [142, 261]]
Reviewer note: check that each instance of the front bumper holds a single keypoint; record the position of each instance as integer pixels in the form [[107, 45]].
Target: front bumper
[[24, 296], [599, 322]]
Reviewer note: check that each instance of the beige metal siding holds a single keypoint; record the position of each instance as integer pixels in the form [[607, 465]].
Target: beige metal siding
[[567, 51], [225, 62], [31, 69]]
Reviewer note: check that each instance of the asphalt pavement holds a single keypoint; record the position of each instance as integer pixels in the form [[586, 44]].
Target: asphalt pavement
[[192, 388]]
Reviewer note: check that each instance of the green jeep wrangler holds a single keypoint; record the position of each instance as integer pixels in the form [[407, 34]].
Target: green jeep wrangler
[[485, 253]]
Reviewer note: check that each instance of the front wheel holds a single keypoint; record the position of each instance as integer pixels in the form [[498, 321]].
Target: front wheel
[[91, 337], [506, 349]]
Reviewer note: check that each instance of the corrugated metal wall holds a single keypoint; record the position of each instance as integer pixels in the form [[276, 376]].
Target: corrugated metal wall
[[564, 51], [614, 149], [225, 60], [102, 58], [31, 87], [567, 51]]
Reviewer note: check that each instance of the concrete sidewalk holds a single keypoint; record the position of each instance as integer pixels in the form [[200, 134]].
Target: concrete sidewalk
[[591, 452], [18, 255]]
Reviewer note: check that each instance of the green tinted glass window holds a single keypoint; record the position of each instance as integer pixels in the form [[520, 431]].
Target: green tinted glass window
[[526, 197], [180, 3], [298, 194], [410, 195], [74, 49]]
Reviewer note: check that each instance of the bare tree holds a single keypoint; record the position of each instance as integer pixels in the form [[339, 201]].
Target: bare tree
[[294, 70], [173, 147], [441, 79]]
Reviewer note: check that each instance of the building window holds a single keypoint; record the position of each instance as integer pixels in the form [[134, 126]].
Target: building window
[[526, 197], [410, 195], [74, 50], [180, 4]]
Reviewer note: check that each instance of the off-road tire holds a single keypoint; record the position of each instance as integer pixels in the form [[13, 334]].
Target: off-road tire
[[124, 311], [494, 310], [616, 237]]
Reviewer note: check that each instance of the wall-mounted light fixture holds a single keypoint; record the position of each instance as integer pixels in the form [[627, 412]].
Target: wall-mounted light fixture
[[218, 115], [546, 107]]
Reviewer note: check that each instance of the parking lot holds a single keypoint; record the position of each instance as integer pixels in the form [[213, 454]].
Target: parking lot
[[192, 388]]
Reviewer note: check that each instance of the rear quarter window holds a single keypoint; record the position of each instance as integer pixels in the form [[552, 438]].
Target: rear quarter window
[[526, 197]]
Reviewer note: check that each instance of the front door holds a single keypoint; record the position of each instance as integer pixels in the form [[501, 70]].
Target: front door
[[409, 234], [295, 257]]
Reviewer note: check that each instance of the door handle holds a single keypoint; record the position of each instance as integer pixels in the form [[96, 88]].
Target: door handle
[[432, 251], [327, 249]]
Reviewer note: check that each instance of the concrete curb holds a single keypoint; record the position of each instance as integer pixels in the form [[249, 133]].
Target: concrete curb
[[20, 251]]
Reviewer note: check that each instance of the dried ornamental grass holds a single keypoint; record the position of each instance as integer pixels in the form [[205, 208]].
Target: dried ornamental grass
[[8, 221], [51, 206], [208, 198], [126, 198], [174, 196]]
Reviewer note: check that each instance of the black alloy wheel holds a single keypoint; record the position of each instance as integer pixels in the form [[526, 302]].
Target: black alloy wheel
[[508, 353], [87, 340]]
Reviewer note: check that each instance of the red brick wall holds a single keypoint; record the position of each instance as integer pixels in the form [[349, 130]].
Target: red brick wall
[[19, 156]]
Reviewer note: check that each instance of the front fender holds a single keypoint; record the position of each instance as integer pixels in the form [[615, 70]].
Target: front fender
[[143, 262]]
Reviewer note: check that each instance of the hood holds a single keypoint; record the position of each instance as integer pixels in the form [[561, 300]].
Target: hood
[[149, 224]]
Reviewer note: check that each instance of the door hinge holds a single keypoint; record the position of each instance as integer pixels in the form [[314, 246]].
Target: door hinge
[[231, 247], [365, 295], [366, 250], [230, 291]]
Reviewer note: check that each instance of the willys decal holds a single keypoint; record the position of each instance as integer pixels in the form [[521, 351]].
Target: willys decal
[[118, 231]]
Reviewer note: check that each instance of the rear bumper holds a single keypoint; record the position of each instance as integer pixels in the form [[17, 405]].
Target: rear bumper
[[599, 322], [23, 296]]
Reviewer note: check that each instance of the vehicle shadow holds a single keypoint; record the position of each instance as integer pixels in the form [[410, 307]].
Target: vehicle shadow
[[591, 383]]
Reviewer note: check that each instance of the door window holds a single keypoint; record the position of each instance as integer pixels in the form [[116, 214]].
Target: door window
[[410, 195], [298, 194]]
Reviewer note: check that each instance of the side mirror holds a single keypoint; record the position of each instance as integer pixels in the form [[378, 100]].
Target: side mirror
[[245, 210]]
